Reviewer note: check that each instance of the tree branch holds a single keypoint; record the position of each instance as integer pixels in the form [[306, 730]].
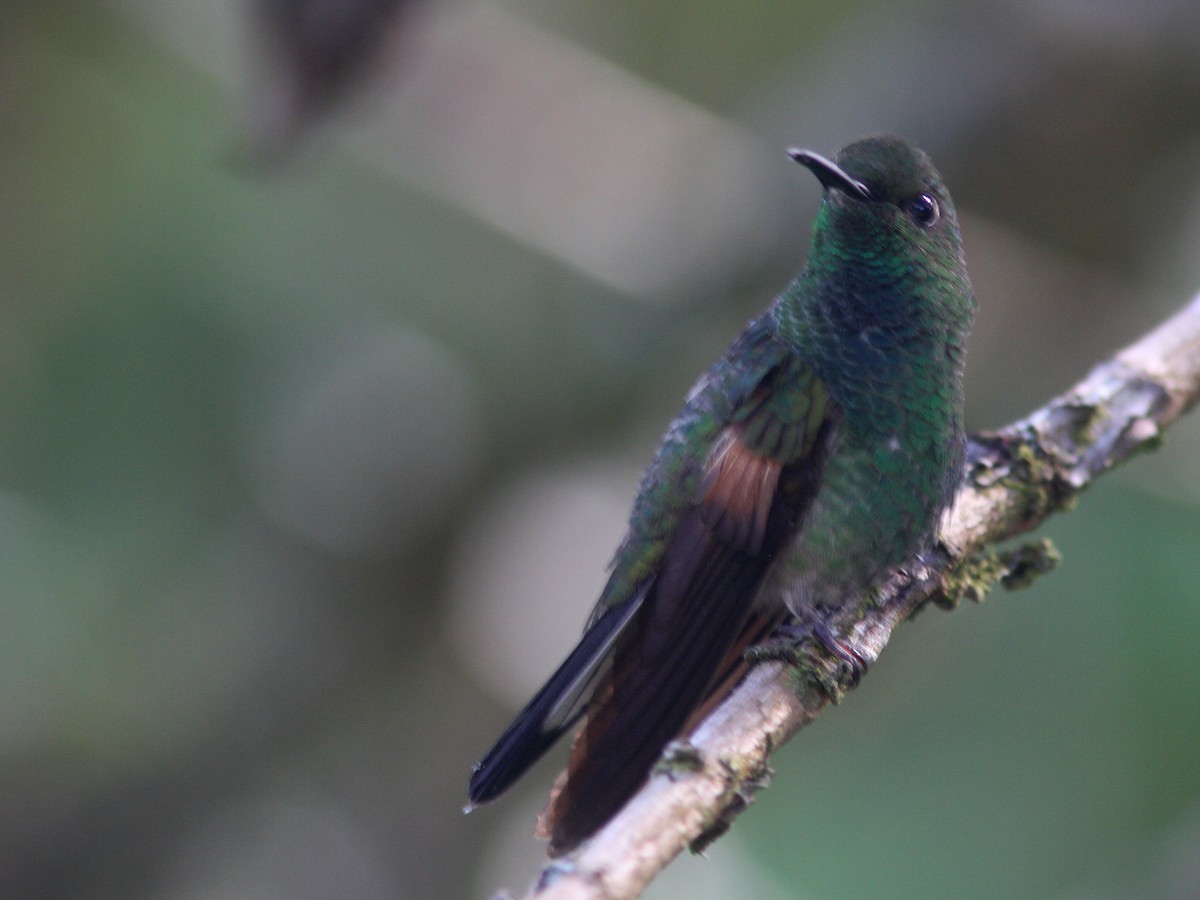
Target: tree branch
[[1016, 478]]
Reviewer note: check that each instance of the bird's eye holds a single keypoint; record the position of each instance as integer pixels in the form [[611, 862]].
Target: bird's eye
[[924, 210]]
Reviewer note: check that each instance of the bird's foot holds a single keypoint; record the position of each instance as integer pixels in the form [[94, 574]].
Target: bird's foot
[[817, 656]]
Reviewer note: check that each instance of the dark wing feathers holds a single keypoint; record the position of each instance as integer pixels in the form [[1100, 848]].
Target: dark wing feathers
[[728, 489], [733, 668], [554, 709], [664, 664]]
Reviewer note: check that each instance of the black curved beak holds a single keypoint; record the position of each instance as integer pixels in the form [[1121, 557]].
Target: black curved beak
[[829, 174]]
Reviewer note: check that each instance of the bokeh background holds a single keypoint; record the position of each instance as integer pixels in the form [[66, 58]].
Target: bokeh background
[[317, 431]]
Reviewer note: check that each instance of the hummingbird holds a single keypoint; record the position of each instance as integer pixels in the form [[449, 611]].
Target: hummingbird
[[812, 458]]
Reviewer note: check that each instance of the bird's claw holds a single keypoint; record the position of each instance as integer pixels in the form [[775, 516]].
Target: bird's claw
[[817, 654]]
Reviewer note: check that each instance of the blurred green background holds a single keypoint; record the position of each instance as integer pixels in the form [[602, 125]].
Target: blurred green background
[[309, 476]]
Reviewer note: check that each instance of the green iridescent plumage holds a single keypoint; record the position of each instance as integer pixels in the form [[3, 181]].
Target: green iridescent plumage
[[781, 422], [814, 456], [881, 311]]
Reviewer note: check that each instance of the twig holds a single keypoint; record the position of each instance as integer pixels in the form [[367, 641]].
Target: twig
[[1016, 478]]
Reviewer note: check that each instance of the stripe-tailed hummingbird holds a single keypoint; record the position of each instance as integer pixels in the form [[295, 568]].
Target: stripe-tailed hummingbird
[[817, 454]]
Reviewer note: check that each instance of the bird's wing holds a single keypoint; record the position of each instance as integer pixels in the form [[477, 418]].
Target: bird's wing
[[757, 481], [728, 487], [555, 708]]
